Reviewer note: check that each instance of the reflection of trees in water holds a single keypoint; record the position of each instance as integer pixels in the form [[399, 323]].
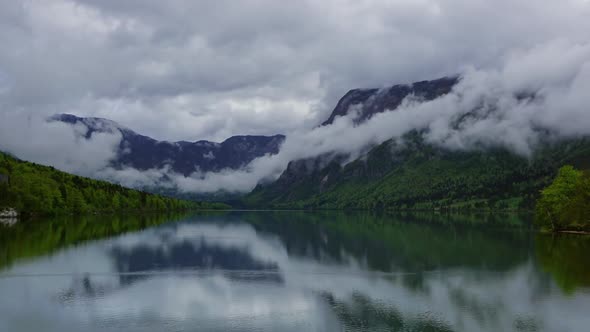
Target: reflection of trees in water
[[443, 305], [361, 313], [83, 287], [489, 311], [485, 256], [415, 282], [566, 257], [390, 243], [378, 242], [417, 242], [32, 238]]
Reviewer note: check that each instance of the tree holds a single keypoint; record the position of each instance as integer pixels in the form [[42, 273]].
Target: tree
[[554, 200], [76, 201]]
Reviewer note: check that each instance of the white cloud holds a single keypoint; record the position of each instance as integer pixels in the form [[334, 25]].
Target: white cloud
[[57, 144], [497, 117], [178, 70], [162, 62]]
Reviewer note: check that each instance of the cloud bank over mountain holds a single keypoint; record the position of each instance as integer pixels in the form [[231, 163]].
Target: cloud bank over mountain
[[486, 109], [180, 70], [189, 70], [515, 106], [33, 138]]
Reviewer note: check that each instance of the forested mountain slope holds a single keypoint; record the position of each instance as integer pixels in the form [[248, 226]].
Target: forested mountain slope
[[33, 189], [413, 174]]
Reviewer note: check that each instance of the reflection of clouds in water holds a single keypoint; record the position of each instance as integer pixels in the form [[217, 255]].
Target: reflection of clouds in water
[[238, 236], [464, 299], [213, 298], [183, 256]]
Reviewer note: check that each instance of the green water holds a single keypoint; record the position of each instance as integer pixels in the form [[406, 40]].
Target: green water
[[292, 271]]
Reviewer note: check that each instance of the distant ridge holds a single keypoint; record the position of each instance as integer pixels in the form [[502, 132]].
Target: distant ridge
[[143, 152]]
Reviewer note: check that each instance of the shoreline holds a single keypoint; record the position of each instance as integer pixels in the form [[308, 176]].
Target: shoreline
[[574, 232], [28, 217]]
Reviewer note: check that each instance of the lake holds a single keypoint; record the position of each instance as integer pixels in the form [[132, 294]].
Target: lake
[[292, 271]]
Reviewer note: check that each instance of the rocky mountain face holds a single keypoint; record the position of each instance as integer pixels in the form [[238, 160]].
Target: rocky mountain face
[[368, 102], [143, 152]]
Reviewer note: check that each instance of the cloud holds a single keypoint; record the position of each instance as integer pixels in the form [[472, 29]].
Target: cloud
[[190, 70], [488, 102], [57, 144], [485, 109]]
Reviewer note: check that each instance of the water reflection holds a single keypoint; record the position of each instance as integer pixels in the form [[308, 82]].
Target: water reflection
[[295, 271], [199, 254], [565, 256]]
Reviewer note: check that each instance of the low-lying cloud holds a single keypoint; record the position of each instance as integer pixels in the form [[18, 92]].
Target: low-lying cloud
[[538, 94], [66, 147], [179, 70]]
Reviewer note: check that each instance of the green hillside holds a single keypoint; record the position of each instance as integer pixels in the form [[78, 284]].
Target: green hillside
[[34, 189], [411, 174]]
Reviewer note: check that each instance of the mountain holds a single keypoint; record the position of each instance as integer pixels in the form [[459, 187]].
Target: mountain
[[410, 173], [416, 175], [36, 190], [143, 152], [373, 101]]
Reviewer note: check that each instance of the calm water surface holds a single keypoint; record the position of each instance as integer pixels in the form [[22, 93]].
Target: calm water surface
[[292, 271]]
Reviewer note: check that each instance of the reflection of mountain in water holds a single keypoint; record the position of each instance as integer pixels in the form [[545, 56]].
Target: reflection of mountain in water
[[190, 256], [387, 243], [31, 239], [484, 279], [184, 258]]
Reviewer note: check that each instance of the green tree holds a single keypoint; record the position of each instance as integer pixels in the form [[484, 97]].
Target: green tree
[[555, 200], [76, 201]]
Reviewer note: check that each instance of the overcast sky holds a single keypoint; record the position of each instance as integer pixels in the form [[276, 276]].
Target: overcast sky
[[211, 69]]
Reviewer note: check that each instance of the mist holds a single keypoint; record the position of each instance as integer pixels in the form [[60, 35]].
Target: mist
[[539, 94], [535, 95], [33, 138]]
